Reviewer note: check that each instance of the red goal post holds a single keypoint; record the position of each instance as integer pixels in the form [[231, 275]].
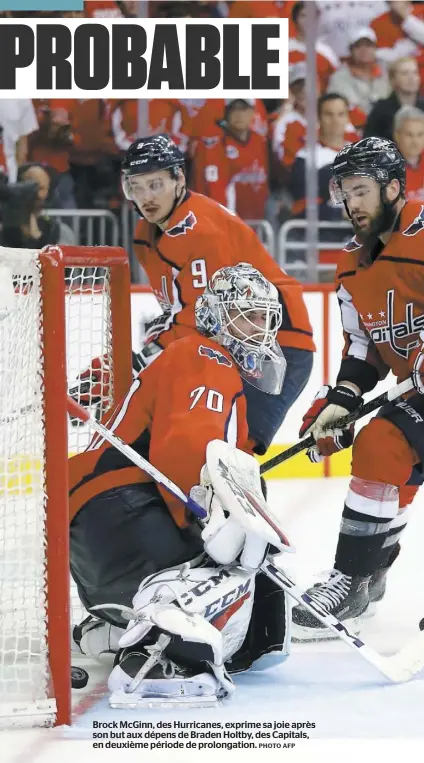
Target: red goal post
[[59, 309]]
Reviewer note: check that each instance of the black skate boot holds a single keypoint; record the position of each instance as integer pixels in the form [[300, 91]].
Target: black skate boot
[[377, 584], [341, 595]]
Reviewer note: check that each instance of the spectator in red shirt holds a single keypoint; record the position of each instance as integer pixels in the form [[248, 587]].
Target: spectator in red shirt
[[333, 116], [326, 60], [232, 165], [399, 31], [290, 128], [409, 136]]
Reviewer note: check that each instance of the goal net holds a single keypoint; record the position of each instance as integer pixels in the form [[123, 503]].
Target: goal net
[[60, 310]]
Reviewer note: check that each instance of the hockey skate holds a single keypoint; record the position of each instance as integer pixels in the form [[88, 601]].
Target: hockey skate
[[378, 582], [341, 595]]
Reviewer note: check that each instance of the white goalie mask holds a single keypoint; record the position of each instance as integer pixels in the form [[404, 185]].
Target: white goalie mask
[[240, 309]]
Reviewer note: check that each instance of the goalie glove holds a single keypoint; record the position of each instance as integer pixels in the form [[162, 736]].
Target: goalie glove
[[328, 406], [225, 541]]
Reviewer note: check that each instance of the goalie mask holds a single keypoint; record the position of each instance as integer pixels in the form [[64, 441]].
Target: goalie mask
[[240, 309]]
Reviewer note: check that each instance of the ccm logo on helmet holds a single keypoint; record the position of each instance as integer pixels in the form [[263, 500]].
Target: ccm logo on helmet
[[181, 228]]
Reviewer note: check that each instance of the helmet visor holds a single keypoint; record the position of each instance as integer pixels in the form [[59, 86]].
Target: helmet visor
[[339, 194], [144, 186]]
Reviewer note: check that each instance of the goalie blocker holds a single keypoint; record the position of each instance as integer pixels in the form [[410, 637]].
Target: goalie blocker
[[195, 615]]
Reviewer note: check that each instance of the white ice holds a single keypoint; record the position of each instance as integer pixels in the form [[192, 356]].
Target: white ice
[[326, 683]]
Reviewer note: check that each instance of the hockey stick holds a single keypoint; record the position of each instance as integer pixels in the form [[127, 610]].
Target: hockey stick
[[372, 405], [398, 668]]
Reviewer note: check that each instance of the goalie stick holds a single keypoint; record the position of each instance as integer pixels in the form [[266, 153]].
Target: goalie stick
[[398, 668], [372, 405]]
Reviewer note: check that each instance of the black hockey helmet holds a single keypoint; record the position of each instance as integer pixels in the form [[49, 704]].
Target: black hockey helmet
[[152, 154], [371, 157]]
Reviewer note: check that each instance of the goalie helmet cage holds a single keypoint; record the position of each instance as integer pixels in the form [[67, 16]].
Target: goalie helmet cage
[[59, 308]]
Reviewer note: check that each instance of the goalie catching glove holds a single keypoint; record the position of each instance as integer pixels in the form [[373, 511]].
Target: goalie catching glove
[[328, 406], [225, 540]]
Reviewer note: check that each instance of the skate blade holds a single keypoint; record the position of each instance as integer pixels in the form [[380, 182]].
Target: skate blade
[[119, 700], [301, 634]]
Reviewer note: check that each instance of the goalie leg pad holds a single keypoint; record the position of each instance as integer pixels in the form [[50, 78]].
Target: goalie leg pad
[[222, 595], [206, 612]]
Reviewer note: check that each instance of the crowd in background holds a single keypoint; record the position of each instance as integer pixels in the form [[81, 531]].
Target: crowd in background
[[249, 155]]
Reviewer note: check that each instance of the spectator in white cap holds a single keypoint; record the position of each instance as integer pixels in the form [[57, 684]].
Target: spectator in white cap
[[361, 80]]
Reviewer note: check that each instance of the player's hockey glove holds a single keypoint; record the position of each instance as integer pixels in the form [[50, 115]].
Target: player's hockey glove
[[225, 541], [93, 387], [150, 349], [416, 364], [328, 406], [94, 384]]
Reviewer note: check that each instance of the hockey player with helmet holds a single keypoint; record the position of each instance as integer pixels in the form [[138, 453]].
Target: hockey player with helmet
[[132, 544], [182, 239], [380, 288]]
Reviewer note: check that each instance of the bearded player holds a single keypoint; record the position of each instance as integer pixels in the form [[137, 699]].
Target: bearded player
[[380, 288]]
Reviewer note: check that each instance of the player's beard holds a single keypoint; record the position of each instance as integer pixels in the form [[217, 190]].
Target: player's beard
[[382, 222]]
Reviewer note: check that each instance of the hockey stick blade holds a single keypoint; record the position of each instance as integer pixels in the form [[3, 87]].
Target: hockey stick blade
[[398, 668], [364, 410]]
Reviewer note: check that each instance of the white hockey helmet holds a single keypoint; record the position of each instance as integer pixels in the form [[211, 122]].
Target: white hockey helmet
[[241, 310]]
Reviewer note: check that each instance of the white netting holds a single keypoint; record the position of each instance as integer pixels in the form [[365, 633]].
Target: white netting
[[24, 671], [88, 339], [23, 660]]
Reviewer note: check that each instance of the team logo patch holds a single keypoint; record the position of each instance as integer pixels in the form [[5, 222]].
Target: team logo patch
[[211, 142], [181, 228], [416, 226], [213, 354], [352, 245], [396, 334], [232, 152]]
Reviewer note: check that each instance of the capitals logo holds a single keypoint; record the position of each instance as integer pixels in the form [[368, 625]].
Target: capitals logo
[[392, 332], [181, 228], [416, 226], [212, 354]]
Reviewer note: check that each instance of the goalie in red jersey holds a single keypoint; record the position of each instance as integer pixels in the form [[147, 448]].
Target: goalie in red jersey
[[132, 544], [380, 288]]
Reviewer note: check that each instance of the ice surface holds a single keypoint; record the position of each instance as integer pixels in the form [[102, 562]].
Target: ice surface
[[325, 683]]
